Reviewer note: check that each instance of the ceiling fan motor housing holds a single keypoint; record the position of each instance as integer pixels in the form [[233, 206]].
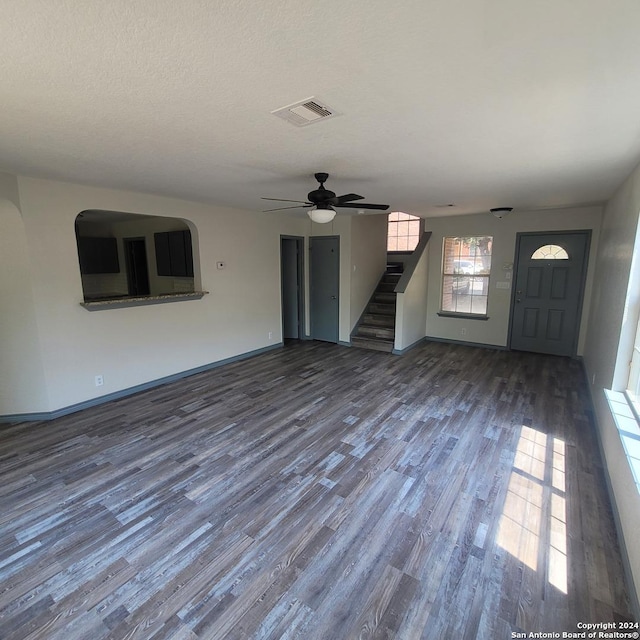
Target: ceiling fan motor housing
[[321, 195]]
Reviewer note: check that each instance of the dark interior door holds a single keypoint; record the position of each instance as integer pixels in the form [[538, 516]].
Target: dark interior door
[[137, 270], [548, 292], [291, 252], [324, 279]]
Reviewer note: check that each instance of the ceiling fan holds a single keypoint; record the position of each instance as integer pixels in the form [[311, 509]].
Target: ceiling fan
[[324, 202]]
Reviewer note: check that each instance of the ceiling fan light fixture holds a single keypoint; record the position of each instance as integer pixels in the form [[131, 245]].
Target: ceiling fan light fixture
[[322, 216], [501, 212]]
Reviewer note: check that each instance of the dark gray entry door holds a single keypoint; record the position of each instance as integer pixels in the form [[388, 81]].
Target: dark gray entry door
[[548, 291], [324, 276]]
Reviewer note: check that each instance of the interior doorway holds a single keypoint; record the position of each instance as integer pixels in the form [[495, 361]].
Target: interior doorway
[[135, 254], [292, 281]]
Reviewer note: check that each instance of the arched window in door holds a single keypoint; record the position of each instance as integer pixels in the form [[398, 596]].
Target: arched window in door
[[550, 252]]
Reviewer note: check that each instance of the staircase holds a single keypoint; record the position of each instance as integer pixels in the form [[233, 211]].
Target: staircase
[[376, 329]]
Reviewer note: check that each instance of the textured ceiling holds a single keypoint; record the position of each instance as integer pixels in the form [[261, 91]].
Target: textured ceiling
[[480, 104]]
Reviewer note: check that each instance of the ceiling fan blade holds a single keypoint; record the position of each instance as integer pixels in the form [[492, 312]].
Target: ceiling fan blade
[[363, 205], [348, 197], [299, 206], [283, 200]]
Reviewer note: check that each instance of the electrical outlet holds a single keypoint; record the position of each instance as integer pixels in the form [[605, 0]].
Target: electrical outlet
[[463, 332], [270, 335], [99, 381]]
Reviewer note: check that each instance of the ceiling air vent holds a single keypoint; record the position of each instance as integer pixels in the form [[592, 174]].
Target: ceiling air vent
[[305, 112]]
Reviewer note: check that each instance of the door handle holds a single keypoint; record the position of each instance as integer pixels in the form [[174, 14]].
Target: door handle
[[333, 297]]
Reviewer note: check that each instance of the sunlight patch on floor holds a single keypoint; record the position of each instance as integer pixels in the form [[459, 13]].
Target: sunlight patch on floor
[[538, 471], [519, 528], [558, 529], [531, 452]]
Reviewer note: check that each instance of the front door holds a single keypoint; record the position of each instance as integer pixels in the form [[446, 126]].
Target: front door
[[324, 276], [549, 279]]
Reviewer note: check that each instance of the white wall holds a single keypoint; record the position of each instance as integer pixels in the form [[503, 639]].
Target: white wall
[[495, 330], [411, 306], [368, 261], [9, 189], [23, 386], [136, 345], [608, 327]]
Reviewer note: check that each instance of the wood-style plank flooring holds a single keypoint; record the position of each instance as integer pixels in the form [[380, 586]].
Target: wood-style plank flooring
[[315, 492]]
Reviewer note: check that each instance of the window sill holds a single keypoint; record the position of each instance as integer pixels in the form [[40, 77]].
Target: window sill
[[628, 430], [464, 316], [121, 303]]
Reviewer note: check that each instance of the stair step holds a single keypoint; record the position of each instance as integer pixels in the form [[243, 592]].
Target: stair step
[[379, 319], [382, 308], [372, 343], [395, 267], [377, 326], [372, 331], [391, 277], [389, 298]]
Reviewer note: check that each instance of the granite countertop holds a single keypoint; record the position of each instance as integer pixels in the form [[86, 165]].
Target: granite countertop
[[137, 301]]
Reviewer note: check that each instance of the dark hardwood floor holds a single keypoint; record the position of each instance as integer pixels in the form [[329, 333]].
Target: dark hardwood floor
[[315, 492]]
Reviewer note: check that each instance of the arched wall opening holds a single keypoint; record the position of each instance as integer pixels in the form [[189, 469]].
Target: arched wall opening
[[124, 255]]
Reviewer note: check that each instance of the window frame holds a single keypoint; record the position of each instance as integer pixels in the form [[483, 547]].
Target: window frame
[[445, 274], [626, 377], [623, 401], [411, 218], [633, 379]]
